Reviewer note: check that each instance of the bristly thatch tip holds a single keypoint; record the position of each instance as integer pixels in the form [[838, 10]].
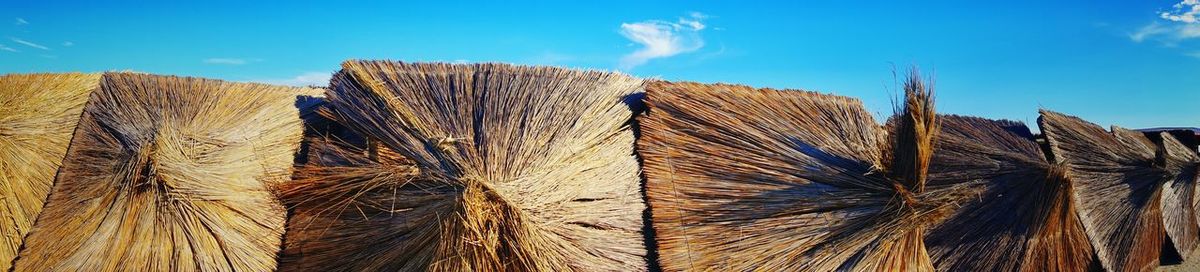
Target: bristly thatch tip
[[912, 140], [505, 168], [170, 173]]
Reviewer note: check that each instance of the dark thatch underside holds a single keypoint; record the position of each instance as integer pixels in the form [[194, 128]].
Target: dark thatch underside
[[38, 113], [1025, 218], [1118, 189], [759, 179], [484, 167], [171, 173]]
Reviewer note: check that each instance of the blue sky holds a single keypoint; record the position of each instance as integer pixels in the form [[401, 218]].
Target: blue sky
[[1129, 63]]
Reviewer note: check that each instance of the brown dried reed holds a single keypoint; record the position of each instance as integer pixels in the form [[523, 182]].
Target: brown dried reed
[[170, 174]]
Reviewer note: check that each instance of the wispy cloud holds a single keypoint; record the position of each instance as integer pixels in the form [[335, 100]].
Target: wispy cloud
[[6, 48], [225, 61], [305, 79], [29, 44], [1147, 31], [68, 44], [1195, 54], [660, 39], [21, 21], [1175, 25]]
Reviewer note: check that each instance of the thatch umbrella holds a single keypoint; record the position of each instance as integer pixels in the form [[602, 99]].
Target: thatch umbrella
[[171, 173], [1118, 189], [759, 179], [38, 113], [1024, 220], [503, 167], [1179, 193], [1187, 137]]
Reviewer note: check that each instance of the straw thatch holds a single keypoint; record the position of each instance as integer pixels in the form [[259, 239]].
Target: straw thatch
[[1187, 137], [1179, 193], [1025, 219], [170, 173], [504, 168], [758, 179], [38, 113], [1118, 189]]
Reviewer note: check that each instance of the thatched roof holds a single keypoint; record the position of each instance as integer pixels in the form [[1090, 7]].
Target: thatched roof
[[505, 168], [780, 180], [170, 173], [1118, 189], [1025, 218], [38, 113]]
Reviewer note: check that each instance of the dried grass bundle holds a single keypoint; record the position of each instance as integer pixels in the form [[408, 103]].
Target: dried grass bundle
[[1025, 218], [38, 113], [170, 173], [745, 179], [495, 168], [1118, 188]]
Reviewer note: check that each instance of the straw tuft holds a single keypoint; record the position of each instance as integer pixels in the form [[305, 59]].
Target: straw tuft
[[170, 173]]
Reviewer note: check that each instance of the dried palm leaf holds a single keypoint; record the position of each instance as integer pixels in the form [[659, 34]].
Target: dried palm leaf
[[1025, 219], [1117, 187], [505, 168], [38, 113], [170, 173], [778, 180]]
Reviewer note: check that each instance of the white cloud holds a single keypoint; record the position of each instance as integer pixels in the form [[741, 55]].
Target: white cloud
[[68, 44], [1195, 54], [226, 61], [29, 44], [305, 79], [6, 48], [660, 39], [1178, 24], [22, 21], [1184, 12]]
